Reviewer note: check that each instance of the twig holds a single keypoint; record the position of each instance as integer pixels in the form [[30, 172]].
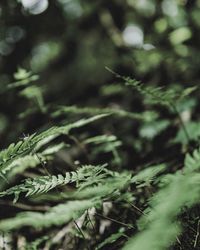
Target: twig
[[81, 232], [93, 227], [113, 220], [137, 208], [197, 234]]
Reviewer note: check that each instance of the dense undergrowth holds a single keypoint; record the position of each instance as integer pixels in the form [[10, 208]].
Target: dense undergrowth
[[72, 185], [99, 125]]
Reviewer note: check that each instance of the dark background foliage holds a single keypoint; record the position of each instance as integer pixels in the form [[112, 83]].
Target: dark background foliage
[[70, 43]]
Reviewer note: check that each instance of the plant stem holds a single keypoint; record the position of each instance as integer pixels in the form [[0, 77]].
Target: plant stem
[[181, 122]]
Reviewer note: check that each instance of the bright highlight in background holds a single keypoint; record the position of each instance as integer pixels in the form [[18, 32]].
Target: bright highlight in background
[[35, 6], [133, 36]]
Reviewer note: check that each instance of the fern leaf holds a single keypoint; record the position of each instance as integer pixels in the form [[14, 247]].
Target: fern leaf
[[164, 213], [44, 184], [147, 175], [56, 216], [26, 146], [112, 238], [92, 111], [192, 161], [110, 187], [156, 95]]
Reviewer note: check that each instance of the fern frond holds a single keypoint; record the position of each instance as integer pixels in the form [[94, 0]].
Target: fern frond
[[104, 139], [23, 78], [166, 206], [148, 174], [156, 95], [26, 146], [20, 164], [56, 216], [35, 244], [44, 184], [94, 111], [14, 151], [110, 187], [55, 148], [193, 130], [192, 161], [63, 213], [106, 144], [112, 238]]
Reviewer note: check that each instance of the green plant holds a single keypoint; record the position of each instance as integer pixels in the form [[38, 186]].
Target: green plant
[[45, 175]]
